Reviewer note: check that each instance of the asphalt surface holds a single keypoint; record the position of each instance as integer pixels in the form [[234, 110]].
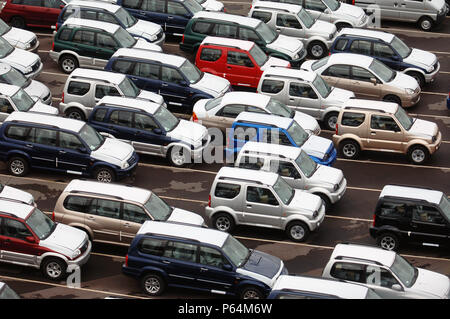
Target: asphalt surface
[[188, 188]]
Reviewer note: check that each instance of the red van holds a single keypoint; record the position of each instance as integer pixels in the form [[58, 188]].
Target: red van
[[240, 62]]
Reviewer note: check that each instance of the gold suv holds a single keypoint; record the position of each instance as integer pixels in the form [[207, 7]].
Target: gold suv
[[384, 126]]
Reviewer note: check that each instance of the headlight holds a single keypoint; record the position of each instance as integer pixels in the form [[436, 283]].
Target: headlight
[[76, 253], [315, 214], [430, 69], [330, 36], [336, 187], [296, 57], [125, 165], [409, 91], [28, 45]]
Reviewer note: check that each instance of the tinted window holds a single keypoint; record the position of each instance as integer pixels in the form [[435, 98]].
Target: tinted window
[[122, 66], [208, 54], [225, 190], [288, 21], [99, 115], [380, 277], [382, 50], [341, 44], [393, 210], [152, 246], [106, 41], [144, 122], [154, 5], [106, 17], [379, 122], [249, 35], [225, 30], [71, 141], [202, 27], [272, 86], [84, 37], [315, 5], [360, 74], [211, 257], [231, 110], [181, 251], [340, 71], [427, 214], [132, 4], [77, 203], [352, 119], [147, 70], [261, 196], [238, 58], [102, 90], [88, 14], [134, 213], [45, 137], [36, 3], [171, 75], [122, 118], [348, 271], [15, 229], [17, 132], [64, 35], [261, 15], [105, 208], [176, 8], [302, 90], [78, 88], [56, 4], [5, 106], [251, 162], [284, 169], [361, 47]]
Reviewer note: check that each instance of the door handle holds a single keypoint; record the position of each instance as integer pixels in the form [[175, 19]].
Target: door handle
[[203, 269], [373, 133], [142, 13], [166, 261], [91, 217], [7, 241], [164, 84], [62, 152], [134, 79], [29, 145], [127, 225], [170, 17], [249, 206]]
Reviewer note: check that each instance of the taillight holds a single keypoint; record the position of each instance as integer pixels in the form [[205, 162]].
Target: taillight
[[194, 117], [126, 260], [62, 97], [353, 2], [374, 217], [209, 200], [182, 39], [53, 216], [337, 129], [289, 66], [53, 46]]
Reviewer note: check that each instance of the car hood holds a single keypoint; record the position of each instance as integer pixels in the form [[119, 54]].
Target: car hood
[[323, 28], [184, 216], [19, 37], [421, 58], [189, 132], [272, 61], [316, 146], [261, 266], [338, 97], [431, 284], [350, 11], [438, 4], [212, 5], [64, 239], [144, 45], [113, 151], [326, 175], [212, 84], [40, 107], [305, 202], [287, 45], [21, 59], [404, 81], [307, 122], [199, 108], [150, 96], [424, 129], [143, 27], [37, 89], [14, 193]]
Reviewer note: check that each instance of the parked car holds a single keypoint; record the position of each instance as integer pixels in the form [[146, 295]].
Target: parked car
[[222, 111], [382, 126], [390, 50], [172, 15], [115, 14], [7, 293], [175, 78], [14, 98], [90, 43], [15, 194], [39, 141], [165, 254], [113, 213], [426, 14], [28, 63], [278, 130], [407, 214], [242, 196], [387, 273], [240, 62], [151, 129], [306, 287], [296, 168], [32, 13], [340, 14], [367, 77], [85, 87], [211, 5], [306, 92], [19, 38], [226, 25], [293, 20], [30, 238]]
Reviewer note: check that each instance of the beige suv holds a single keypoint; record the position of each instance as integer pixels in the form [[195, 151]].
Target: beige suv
[[384, 126], [113, 213]]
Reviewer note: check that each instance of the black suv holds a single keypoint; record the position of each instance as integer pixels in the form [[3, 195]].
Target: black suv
[[410, 214]]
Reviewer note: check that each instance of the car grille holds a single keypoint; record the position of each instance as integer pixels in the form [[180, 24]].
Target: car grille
[[417, 90], [33, 42], [205, 140], [35, 67], [47, 96], [436, 65], [159, 35], [132, 159], [84, 247]]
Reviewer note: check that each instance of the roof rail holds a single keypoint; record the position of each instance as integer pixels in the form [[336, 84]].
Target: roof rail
[[363, 109], [286, 76], [359, 259], [240, 179], [263, 153], [94, 193], [173, 236]]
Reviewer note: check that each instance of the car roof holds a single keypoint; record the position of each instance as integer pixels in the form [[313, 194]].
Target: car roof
[[321, 285], [264, 119], [429, 195], [382, 35], [245, 98], [127, 102], [17, 209], [369, 253], [107, 76], [184, 231], [111, 7], [228, 42], [251, 22], [285, 151], [132, 193], [46, 119], [165, 58], [8, 89], [302, 74], [237, 173], [106, 26], [351, 59], [292, 8], [387, 107]]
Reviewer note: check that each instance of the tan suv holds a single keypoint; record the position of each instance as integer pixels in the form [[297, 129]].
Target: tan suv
[[113, 213], [384, 126]]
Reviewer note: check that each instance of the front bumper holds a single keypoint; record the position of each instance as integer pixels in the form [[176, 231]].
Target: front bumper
[[411, 101], [33, 75], [197, 154], [54, 55], [83, 259], [34, 48], [329, 161], [130, 170], [315, 224], [429, 77], [336, 196], [297, 62], [432, 148]]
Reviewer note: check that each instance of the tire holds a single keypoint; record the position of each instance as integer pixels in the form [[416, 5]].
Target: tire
[[153, 284], [104, 175], [18, 22], [18, 166], [224, 222], [76, 114], [426, 24], [349, 149], [54, 268], [330, 120], [317, 50], [68, 63], [251, 292], [388, 241], [393, 99], [178, 156], [326, 201], [418, 154], [297, 231], [418, 77]]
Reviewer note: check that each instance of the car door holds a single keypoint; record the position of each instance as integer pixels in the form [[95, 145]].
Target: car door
[[31, 11], [225, 116], [428, 225], [149, 10], [102, 90], [338, 75], [73, 155], [174, 89], [316, 9], [84, 45], [5, 108], [106, 46], [103, 218], [177, 17], [261, 207], [240, 70], [121, 125], [146, 76], [288, 24], [389, 9], [385, 54], [364, 83], [381, 280], [133, 216], [149, 137], [385, 134], [212, 60], [51, 12], [289, 172], [411, 10], [303, 98], [41, 145]]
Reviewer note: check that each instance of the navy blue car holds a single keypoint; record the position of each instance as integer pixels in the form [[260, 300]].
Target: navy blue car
[[165, 254]]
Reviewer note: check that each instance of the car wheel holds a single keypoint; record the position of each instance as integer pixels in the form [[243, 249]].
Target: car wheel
[[104, 175], [426, 23], [250, 292], [326, 200], [349, 149], [317, 49], [18, 22], [54, 268], [178, 156], [68, 63], [388, 241], [418, 77], [223, 222], [153, 284], [418, 154], [297, 231], [18, 166], [75, 114], [330, 120], [393, 99]]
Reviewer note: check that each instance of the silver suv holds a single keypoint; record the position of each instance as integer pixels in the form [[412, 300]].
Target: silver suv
[[305, 91], [264, 199], [295, 21]]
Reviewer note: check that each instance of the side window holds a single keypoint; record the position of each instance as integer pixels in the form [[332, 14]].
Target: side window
[[181, 251], [340, 71], [64, 35], [238, 58], [231, 111], [5, 106], [78, 88], [348, 271], [225, 30], [71, 141], [106, 17], [360, 74], [288, 21], [106, 41], [152, 246], [122, 118], [352, 119], [244, 133], [154, 6], [102, 90], [105, 208], [254, 109], [144, 122], [55, 4], [17, 1], [302, 90], [261, 15], [99, 115], [361, 47], [122, 66], [134, 213], [171, 75], [45, 137], [226, 190], [68, 11], [279, 137], [132, 4], [202, 27], [77, 203], [84, 37], [147, 70], [17, 132], [284, 169], [211, 55], [14, 228], [247, 34], [211, 257], [380, 122], [382, 50], [261, 196], [272, 86], [341, 44], [380, 277], [315, 5], [249, 162], [35, 3], [176, 8], [394, 210], [88, 14], [427, 214]]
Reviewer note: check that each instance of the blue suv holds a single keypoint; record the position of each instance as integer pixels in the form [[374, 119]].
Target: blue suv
[[165, 254], [389, 49], [279, 130], [175, 78]]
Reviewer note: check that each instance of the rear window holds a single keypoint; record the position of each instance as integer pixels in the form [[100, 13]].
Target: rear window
[[152, 246], [341, 44], [77, 203], [78, 88], [64, 35], [201, 27], [392, 210], [17, 132], [352, 119], [99, 115], [225, 190], [272, 86], [261, 15], [209, 54], [251, 162]]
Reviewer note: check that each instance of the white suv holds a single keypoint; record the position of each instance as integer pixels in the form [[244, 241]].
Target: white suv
[[19, 38], [26, 62]]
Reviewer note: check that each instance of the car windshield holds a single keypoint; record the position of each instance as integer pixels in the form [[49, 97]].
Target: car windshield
[[22, 100], [382, 71], [200, 1], [445, 206], [332, 4], [125, 17], [5, 48], [40, 224], [259, 55], [306, 164], [236, 251], [8, 293], [405, 120], [193, 6], [297, 133], [158, 208], [400, 47], [213, 103], [91, 137], [128, 88], [266, 33], [306, 18], [318, 64], [278, 108], [124, 39], [14, 77], [404, 271], [166, 119], [4, 28], [283, 190], [191, 72], [321, 86]]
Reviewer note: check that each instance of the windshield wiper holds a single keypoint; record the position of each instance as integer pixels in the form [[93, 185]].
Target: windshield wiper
[[246, 258]]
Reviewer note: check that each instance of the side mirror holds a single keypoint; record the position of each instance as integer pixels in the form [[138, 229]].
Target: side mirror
[[374, 81], [397, 287], [157, 131], [327, 11], [227, 267], [82, 149], [30, 239]]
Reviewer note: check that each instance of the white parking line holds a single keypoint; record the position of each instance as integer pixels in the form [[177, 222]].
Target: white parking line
[[414, 31]]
